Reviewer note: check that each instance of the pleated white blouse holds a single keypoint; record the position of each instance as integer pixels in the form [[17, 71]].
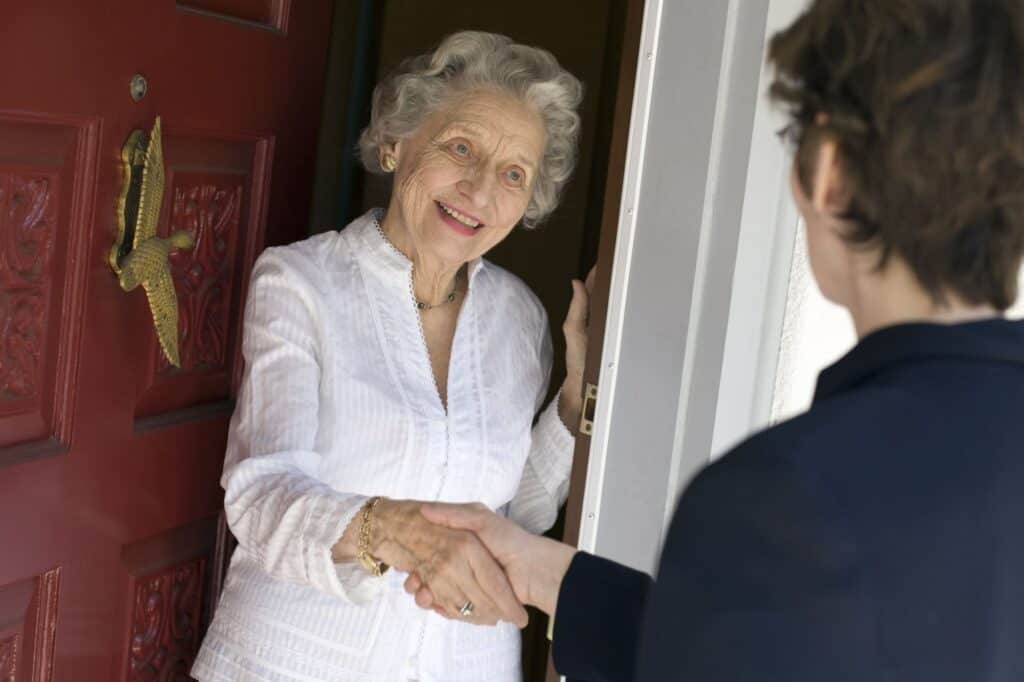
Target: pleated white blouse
[[339, 403]]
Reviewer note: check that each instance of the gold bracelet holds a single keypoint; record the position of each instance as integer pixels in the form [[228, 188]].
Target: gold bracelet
[[371, 563]]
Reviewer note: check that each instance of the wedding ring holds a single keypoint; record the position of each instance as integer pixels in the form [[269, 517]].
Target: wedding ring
[[467, 610]]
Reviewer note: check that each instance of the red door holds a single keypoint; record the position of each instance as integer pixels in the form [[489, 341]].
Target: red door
[[110, 457]]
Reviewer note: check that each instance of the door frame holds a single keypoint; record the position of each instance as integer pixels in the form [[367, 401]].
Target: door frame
[[697, 296], [764, 259]]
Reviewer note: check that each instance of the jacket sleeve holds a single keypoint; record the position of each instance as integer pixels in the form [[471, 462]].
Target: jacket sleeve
[[276, 507], [597, 621]]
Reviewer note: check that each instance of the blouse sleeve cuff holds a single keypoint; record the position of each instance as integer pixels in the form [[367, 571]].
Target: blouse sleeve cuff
[[325, 525], [553, 446]]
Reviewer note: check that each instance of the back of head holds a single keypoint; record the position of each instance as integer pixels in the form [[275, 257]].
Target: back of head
[[925, 100]]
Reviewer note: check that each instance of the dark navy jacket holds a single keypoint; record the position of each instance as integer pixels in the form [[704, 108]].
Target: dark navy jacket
[[879, 537]]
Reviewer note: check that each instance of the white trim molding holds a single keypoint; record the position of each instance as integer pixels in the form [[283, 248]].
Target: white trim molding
[[703, 199]]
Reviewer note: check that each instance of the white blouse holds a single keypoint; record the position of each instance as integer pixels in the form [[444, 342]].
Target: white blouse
[[339, 403]]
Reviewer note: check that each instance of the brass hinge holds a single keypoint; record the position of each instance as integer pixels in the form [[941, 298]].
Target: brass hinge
[[587, 413]]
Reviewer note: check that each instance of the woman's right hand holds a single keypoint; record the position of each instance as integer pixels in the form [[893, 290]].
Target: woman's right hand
[[452, 562]]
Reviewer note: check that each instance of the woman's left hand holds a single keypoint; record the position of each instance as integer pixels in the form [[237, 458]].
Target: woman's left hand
[[576, 329]]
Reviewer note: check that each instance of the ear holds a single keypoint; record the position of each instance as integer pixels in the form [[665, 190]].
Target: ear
[[827, 193]]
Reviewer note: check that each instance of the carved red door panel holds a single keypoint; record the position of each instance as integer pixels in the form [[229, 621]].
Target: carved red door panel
[[216, 191], [110, 457]]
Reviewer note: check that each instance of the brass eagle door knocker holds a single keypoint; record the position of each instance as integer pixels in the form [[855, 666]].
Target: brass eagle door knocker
[[139, 256]]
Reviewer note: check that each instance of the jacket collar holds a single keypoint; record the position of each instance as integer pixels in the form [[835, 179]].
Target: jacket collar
[[989, 341]]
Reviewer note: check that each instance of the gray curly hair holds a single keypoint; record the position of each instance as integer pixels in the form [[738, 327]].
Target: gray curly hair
[[470, 60]]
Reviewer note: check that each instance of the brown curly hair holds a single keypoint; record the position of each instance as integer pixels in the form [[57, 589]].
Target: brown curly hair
[[925, 101]]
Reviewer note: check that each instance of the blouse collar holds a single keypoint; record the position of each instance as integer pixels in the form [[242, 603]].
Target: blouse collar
[[377, 253]]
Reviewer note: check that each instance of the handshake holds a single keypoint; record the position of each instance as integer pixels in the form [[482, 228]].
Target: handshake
[[467, 563]]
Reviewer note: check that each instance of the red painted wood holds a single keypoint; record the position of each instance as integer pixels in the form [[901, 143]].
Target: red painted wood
[[28, 221], [165, 621], [109, 461], [271, 13], [222, 207], [209, 207], [39, 198], [28, 614]]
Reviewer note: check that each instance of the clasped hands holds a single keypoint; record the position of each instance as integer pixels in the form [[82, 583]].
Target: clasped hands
[[459, 553]]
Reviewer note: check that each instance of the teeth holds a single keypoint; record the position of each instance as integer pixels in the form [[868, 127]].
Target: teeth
[[465, 220]]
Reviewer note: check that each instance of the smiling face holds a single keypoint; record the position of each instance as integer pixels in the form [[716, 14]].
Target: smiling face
[[465, 177]]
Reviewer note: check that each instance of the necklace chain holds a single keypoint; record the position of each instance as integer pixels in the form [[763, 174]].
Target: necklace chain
[[421, 306]]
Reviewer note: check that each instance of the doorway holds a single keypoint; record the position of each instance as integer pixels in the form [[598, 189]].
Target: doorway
[[597, 41]]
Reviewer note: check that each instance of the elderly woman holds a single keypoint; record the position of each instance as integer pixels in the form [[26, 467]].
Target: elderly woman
[[878, 536], [390, 364]]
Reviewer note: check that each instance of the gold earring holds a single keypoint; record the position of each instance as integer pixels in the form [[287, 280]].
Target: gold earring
[[388, 164]]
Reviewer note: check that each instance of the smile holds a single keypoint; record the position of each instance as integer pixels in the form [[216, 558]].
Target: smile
[[461, 217]]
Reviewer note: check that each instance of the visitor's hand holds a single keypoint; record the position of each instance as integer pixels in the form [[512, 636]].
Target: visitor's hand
[[535, 565], [452, 561]]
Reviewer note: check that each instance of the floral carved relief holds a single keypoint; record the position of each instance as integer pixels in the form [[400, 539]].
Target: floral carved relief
[[209, 208], [28, 213], [165, 623]]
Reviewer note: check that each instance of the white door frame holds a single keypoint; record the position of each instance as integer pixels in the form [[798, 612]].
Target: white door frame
[[698, 285]]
